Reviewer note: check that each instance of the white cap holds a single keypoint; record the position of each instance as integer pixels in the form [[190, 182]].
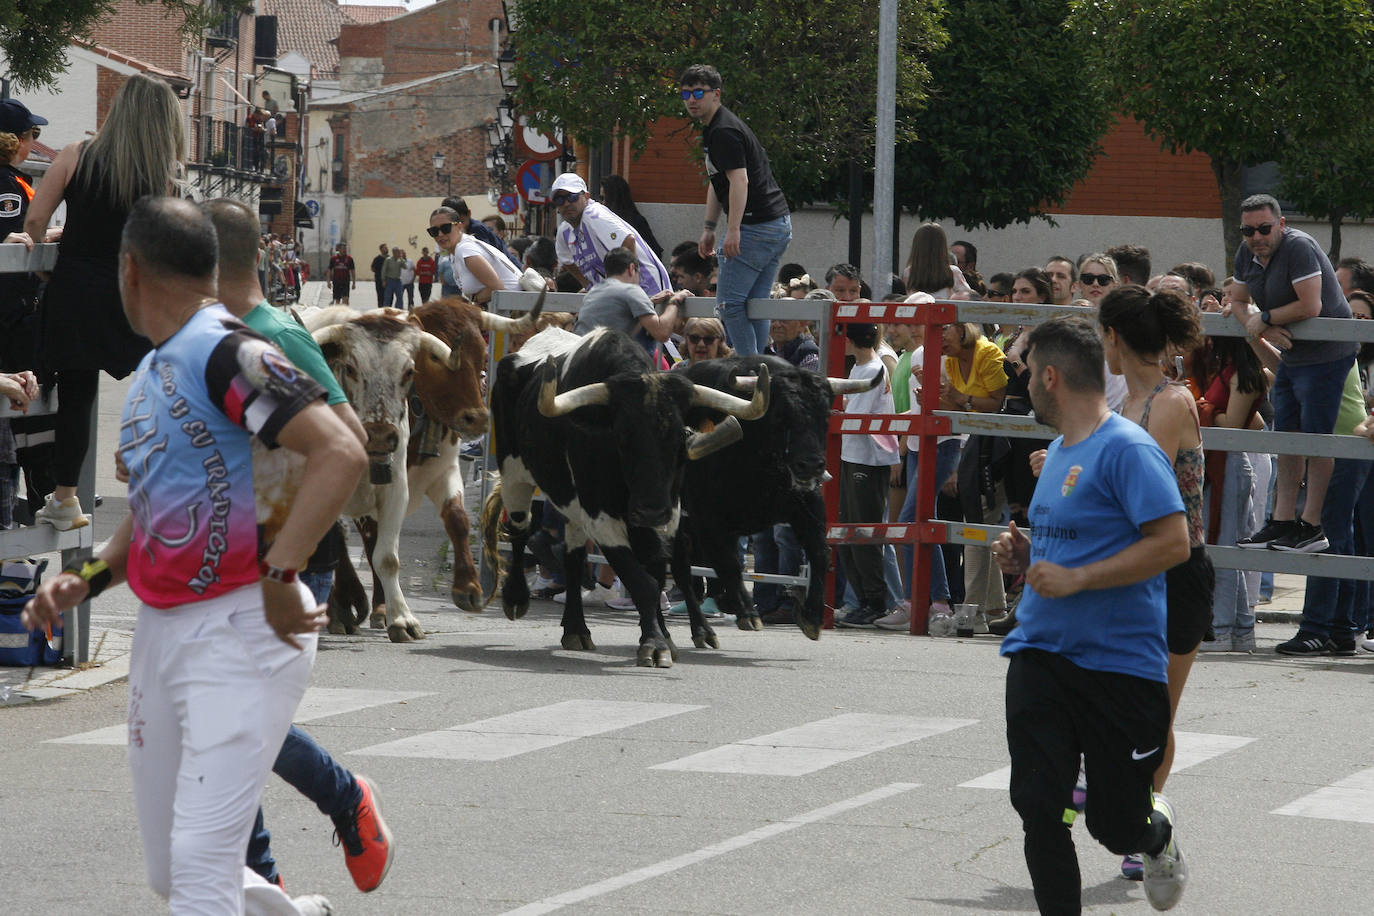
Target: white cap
[[570, 182]]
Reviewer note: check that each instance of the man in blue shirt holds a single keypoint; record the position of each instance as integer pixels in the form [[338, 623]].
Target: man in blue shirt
[[1088, 658]]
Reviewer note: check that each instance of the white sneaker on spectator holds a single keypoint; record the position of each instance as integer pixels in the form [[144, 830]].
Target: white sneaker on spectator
[[313, 905], [64, 515], [628, 604], [899, 618]]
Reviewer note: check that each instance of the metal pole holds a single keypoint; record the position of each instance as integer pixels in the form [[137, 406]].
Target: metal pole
[[884, 144]]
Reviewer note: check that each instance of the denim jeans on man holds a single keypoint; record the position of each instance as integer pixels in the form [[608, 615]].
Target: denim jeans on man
[[1328, 606], [946, 460], [775, 551], [750, 275]]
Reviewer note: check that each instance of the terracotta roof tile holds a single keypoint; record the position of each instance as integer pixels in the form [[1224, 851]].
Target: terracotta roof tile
[[366, 14], [310, 28]]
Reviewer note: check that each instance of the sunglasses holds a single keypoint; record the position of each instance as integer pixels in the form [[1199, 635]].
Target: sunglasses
[[1095, 279], [560, 198], [702, 339], [34, 132], [1262, 229], [441, 229], [694, 93]]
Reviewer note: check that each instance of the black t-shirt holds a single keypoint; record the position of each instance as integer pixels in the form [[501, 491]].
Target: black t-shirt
[[377, 263], [730, 144]]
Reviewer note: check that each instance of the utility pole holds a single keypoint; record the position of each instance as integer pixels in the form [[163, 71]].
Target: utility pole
[[884, 148]]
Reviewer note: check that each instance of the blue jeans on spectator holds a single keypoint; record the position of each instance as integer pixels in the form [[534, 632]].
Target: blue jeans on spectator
[[311, 771], [946, 460], [1328, 606], [392, 295], [1232, 603], [750, 275], [775, 551], [320, 583]]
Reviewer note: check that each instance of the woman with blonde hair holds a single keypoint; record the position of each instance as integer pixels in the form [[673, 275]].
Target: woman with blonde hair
[[705, 340], [82, 329]]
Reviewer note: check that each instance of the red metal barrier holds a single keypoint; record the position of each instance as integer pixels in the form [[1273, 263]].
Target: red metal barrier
[[926, 426]]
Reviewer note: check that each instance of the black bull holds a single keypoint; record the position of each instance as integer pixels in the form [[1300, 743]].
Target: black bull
[[772, 476], [592, 424]]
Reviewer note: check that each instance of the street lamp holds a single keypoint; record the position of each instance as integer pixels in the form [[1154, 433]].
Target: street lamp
[[437, 160], [505, 65], [505, 115]]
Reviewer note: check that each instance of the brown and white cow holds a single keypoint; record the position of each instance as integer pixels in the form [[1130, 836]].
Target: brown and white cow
[[450, 398]]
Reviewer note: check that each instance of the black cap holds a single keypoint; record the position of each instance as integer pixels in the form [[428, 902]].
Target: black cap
[[15, 117]]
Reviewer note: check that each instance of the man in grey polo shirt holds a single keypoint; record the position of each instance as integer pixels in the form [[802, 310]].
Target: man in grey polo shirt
[[1289, 279], [619, 302]]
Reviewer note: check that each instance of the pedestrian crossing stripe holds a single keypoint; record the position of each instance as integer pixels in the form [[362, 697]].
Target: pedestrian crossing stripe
[[1190, 749], [815, 745], [318, 703], [1350, 799], [528, 730]]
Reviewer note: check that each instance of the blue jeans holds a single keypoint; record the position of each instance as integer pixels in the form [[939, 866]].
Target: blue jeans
[[1232, 603], [1328, 606], [393, 291], [775, 551], [946, 460], [311, 771], [320, 583], [750, 275]]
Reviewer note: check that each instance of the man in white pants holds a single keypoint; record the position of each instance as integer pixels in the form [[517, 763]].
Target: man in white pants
[[225, 637]]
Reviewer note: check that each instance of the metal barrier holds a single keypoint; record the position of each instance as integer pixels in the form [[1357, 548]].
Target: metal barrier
[[38, 539], [928, 533]]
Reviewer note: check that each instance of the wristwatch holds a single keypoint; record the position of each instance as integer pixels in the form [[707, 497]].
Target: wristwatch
[[1264, 316], [276, 573]]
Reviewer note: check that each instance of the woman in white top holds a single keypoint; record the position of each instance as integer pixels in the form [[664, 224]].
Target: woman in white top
[[469, 263]]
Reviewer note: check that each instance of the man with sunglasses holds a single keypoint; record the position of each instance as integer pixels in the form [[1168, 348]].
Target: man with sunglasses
[[590, 230], [1283, 276], [759, 226]]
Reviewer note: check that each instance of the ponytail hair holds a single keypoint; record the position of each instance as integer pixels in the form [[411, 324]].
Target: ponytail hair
[[1150, 323]]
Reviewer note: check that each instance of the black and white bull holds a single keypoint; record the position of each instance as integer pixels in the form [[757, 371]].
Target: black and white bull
[[772, 476], [590, 422]]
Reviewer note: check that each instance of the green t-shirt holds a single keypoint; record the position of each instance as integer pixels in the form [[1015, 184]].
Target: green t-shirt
[[299, 347], [1352, 404], [901, 383]]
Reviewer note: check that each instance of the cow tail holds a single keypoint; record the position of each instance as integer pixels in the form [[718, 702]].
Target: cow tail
[[490, 524]]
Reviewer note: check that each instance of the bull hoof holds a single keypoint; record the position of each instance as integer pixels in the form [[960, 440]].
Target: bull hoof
[[398, 633], [337, 628], [649, 656], [470, 601], [413, 628], [378, 620], [706, 639], [749, 622], [811, 628], [515, 611], [672, 649], [576, 642]]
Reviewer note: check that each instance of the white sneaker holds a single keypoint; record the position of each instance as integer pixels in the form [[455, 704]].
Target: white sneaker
[[1366, 644], [628, 604], [1167, 873], [899, 618], [63, 516], [597, 594], [313, 905]]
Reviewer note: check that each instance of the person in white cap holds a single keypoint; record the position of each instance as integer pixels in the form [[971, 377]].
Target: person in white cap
[[590, 229]]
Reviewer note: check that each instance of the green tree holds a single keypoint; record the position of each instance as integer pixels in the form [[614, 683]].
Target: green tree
[[1012, 123], [801, 73], [1238, 81], [35, 34], [1330, 180]]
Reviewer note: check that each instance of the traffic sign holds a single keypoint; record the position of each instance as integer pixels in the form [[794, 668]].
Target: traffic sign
[[508, 204], [532, 179], [313, 206], [539, 145]]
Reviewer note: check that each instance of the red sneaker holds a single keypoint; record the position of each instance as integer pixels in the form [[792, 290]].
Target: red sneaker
[[365, 839]]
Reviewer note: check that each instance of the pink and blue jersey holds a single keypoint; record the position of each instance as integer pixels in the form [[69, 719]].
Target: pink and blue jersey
[[194, 405]]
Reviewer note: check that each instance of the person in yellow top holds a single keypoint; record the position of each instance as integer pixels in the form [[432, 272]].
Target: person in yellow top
[[975, 379]]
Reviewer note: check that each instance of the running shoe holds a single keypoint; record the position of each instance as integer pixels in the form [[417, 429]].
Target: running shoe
[[1301, 538], [1272, 531], [64, 515], [1305, 643], [1165, 874], [1133, 867], [366, 840]]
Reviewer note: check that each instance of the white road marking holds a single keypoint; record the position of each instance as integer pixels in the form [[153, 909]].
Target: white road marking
[[724, 847], [814, 746], [527, 730], [1351, 799], [1190, 749], [318, 703]]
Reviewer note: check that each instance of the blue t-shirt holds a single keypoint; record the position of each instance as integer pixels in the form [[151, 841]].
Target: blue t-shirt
[[1089, 505]]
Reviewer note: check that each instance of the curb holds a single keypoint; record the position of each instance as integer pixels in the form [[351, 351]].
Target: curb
[[109, 663]]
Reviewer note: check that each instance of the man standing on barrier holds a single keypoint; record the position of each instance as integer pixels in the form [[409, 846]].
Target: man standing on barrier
[[758, 223], [225, 637], [1088, 658]]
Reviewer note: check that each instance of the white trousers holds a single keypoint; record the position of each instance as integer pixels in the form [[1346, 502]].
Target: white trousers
[[212, 691]]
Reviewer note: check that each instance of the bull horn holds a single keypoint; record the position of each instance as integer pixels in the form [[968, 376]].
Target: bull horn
[[556, 405], [491, 321], [736, 407], [450, 357], [329, 334], [727, 432], [855, 385], [317, 318]]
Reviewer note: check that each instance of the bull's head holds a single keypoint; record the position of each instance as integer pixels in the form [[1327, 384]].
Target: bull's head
[[645, 414], [374, 357]]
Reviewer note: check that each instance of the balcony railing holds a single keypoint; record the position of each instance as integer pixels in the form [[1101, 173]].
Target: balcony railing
[[224, 144]]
